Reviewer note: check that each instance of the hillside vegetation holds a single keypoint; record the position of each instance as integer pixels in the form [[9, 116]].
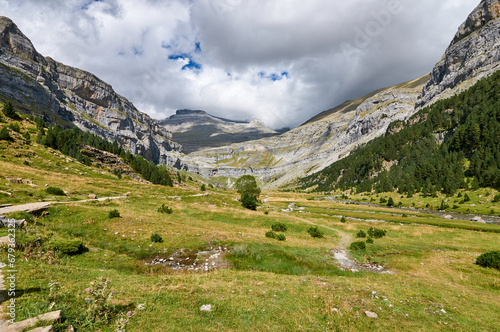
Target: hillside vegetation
[[128, 263], [454, 144]]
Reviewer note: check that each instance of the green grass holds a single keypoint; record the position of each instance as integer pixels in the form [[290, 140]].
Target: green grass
[[270, 285]]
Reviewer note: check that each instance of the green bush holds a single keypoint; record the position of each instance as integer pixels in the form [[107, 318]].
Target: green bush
[[343, 219], [5, 136], [279, 227], [360, 234], [156, 238], [383, 200], [9, 111], [203, 187], [358, 245], [390, 202], [376, 233], [165, 209], [19, 215], [466, 198], [315, 232], [249, 201], [369, 240], [496, 198], [55, 191], [113, 214], [14, 126], [271, 234], [280, 237], [489, 259], [68, 247]]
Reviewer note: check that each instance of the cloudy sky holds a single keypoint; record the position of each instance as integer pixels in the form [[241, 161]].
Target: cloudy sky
[[281, 61]]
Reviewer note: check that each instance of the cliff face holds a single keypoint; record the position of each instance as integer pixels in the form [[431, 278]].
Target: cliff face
[[473, 54], [68, 95], [197, 130], [313, 146]]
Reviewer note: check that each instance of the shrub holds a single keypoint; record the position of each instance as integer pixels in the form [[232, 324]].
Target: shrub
[[68, 247], [165, 209], [5, 136], [489, 259], [376, 233], [203, 188], [315, 232], [271, 234], [55, 191], [9, 111], [266, 212], [383, 200], [390, 202], [156, 238], [279, 227], [14, 126], [358, 245], [343, 219], [369, 240], [114, 214], [360, 234], [249, 201], [496, 198], [443, 205], [240, 250], [280, 237], [466, 197]]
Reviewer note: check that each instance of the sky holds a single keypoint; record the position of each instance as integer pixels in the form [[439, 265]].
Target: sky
[[280, 61]]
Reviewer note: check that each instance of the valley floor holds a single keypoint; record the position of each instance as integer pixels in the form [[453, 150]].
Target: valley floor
[[266, 285]]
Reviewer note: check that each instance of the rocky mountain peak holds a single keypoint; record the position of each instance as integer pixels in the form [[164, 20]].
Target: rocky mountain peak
[[485, 12], [13, 40], [473, 54]]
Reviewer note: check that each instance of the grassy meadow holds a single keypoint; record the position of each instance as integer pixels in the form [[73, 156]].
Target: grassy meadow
[[267, 285]]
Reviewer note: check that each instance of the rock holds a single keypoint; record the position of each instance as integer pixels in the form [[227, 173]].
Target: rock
[[53, 316], [448, 216], [473, 54], [206, 307], [370, 314], [92, 196], [478, 219], [4, 222], [43, 329]]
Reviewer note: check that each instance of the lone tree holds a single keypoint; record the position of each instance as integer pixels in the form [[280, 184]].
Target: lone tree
[[247, 187], [8, 110]]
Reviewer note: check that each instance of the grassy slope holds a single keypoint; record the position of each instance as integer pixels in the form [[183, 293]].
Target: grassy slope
[[281, 286]]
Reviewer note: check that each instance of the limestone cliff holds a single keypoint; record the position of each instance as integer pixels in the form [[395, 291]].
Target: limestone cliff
[[473, 54], [313, 146], [68, 95], [197, 130]]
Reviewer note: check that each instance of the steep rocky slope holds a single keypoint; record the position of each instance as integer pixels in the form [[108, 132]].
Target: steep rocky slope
[[314, 145], [473, 54], [65, 95], [196, 130]]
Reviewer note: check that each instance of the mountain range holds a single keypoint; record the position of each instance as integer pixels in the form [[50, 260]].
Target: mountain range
[[204, 144]]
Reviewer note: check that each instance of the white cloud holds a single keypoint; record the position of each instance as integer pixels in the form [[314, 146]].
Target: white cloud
[[281, 61]]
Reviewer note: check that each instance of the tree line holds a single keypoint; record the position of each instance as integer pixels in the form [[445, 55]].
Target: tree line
[[450, 145]]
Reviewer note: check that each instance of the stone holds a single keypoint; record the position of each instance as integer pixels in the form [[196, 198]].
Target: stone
[[206, 307], [370, 314], [478, 219], [448, 216], [53, 316], [43, 329], [92, 196]]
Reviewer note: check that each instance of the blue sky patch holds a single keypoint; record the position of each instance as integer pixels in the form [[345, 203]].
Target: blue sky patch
[[193, 65], [274, 76]]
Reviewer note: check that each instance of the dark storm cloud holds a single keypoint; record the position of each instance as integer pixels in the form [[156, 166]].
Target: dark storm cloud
[[281, 61]]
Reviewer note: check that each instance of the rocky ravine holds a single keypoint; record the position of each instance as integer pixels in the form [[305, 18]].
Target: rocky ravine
[[473, 54], [313, 146], [68, 95]]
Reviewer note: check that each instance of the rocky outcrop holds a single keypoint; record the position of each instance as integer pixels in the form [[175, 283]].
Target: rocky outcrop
[[64, 94], [313, 146], [196, 130], [473, 54]]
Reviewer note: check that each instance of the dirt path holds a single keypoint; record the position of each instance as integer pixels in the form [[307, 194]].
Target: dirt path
[[340, 253], [32, 207]]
